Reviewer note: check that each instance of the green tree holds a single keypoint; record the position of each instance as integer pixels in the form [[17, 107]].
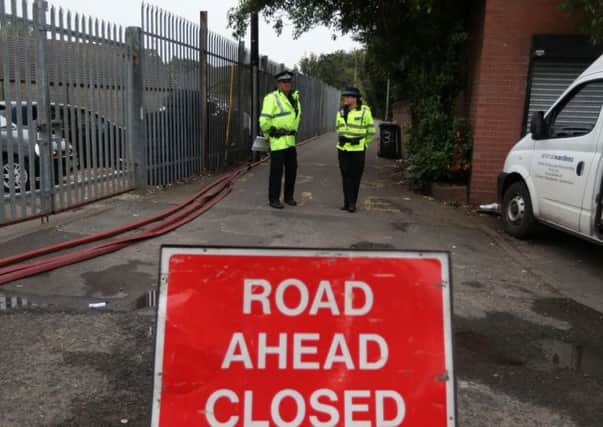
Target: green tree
[[419, 44], [335, 69], [590, 14], [18, 30], [344, 16], [341, 69]]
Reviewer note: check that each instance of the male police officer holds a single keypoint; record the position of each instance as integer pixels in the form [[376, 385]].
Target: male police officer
[[279, 121], [355, 130]]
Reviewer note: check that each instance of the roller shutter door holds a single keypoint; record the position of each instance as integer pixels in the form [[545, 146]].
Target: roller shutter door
[[548, 81]]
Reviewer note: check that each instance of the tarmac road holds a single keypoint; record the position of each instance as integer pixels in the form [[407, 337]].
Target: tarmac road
[[527, 315]]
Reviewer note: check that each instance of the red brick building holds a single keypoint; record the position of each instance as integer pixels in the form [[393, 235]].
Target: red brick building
[[525, 53]]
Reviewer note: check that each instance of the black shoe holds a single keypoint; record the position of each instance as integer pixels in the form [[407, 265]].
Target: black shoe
[[344, 208], [291, 202], [352, 208], [277, 205]]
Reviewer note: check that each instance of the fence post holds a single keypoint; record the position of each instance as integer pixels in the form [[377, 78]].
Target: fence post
[[263, 89], [203, 46], [243, 135], [254, 60], [264, 64], [135, 106], [387, 102], [43, 119]]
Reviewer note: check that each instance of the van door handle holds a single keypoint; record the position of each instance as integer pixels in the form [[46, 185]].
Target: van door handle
[[580, 168]]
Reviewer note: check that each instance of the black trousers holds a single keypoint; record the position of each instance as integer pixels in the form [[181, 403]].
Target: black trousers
[[282, 159], [351, 165]]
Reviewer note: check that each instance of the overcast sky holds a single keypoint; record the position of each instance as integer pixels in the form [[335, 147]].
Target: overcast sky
[[280, 49]]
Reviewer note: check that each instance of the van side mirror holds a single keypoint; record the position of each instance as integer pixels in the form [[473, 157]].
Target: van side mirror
[[538, 126]]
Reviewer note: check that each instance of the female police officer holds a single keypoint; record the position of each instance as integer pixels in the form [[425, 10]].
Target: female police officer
[[355, 130]]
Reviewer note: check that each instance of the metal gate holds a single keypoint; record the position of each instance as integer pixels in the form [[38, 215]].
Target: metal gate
[[62, 110], [228, 101], [88, 110], [187, 69], [172, 96]]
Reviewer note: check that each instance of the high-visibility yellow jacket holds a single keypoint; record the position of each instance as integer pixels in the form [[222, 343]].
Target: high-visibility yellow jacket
[[355, 133], [278, 113]]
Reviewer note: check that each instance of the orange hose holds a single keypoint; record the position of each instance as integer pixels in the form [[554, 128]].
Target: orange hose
[[14, 267]]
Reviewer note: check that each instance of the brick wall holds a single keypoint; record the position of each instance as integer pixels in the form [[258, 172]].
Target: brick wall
[[498, 88]]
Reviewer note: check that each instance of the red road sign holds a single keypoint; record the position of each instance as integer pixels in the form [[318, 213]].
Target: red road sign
[[274, 337]]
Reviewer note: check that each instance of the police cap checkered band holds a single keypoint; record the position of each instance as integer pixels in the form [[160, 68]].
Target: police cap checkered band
[[284, 75]]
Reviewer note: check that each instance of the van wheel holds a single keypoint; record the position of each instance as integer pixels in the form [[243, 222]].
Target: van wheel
[[518, 217], [19, 172]]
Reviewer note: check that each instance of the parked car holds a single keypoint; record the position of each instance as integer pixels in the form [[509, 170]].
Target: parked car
[[86, 131], [20, 150], [91, 133], [554, 175]]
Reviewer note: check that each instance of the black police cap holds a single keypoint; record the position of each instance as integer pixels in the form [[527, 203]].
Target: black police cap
[[351, 91], [284, 75]]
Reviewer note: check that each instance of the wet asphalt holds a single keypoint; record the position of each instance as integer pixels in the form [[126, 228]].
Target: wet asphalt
[[527, 314]]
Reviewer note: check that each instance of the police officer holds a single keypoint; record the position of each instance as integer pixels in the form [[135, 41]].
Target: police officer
[[279, 121], [355, 130]]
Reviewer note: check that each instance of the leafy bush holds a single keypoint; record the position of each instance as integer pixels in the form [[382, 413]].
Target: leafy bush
[[590, 17], [439, 145]]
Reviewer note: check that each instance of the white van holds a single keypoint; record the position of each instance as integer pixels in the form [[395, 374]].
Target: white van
[[554, 175]]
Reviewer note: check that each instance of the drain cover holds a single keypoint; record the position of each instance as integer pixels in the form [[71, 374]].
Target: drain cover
[[18, 303]]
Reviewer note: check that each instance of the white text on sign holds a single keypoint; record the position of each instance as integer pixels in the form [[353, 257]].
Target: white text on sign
[[299, 350]]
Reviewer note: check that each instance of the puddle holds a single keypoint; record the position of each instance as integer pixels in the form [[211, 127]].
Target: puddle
[[484, 346], [574, 357], [148, 300], [112, 282], [480, 347], [371, 245], [9, 303]]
